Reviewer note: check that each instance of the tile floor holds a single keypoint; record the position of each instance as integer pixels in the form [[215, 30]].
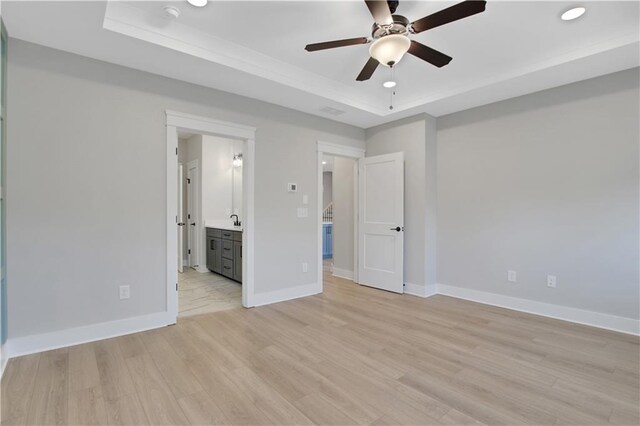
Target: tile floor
[[200, 293]]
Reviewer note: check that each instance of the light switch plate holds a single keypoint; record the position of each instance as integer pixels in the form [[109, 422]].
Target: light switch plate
[[305, 199]]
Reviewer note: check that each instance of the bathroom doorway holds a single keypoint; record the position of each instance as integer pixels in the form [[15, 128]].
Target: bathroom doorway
[[233, 148], [211, 228]]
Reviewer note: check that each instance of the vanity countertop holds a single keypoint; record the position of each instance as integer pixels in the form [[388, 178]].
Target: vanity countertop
[[220, 224]]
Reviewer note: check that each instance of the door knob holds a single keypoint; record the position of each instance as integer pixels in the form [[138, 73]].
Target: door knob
[[193, 224], [397, 229], [181, 224]]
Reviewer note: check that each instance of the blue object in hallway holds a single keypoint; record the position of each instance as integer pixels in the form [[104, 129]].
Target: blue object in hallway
[[327, 240]]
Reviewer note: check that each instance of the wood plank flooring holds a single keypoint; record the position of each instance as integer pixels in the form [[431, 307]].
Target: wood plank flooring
[[352, 355]]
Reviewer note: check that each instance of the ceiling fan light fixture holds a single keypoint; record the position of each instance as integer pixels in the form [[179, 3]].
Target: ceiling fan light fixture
[[573, 13], [389, 84], [388, 50], [198, 3]]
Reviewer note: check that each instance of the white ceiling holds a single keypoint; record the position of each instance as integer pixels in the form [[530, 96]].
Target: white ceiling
[[256, 49]]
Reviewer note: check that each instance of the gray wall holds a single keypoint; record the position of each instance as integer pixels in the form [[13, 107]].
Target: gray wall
[[86, 182], [327, 186], [409, 136], [343, 213], [545, 184]]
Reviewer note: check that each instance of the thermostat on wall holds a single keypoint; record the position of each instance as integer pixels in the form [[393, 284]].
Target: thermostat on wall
[[292, 187]]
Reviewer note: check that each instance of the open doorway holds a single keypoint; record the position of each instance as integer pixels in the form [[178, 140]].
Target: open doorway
[[222, 244], [337, 217], [210, 208]]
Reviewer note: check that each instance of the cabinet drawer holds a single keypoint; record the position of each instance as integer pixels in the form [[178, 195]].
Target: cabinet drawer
[[212, 232], [227, 235], [227, 268], [237, 236], [227, 249]]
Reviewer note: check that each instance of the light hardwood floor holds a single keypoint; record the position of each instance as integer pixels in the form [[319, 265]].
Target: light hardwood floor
[[201, 293], [352, 355]]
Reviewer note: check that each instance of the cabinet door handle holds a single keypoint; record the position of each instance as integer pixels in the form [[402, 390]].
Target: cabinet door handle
[[213, 244], [227, 249]]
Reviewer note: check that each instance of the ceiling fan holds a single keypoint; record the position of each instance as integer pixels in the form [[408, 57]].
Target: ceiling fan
[[390, 34]]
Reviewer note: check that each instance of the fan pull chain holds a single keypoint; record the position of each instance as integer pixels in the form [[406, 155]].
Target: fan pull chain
[[393, 91]]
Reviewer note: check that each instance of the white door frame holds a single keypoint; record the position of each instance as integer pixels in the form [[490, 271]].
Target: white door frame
[[194, 259], [202, 125], [328, 148], [181, 229]]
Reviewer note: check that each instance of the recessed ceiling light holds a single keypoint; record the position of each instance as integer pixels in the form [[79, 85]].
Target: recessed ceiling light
[[572, 14], [389, 84], [198, 3], [324, 162]]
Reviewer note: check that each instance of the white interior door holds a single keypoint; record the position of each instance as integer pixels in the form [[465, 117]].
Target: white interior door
[[381, 222], [192, 214], [181, 223]]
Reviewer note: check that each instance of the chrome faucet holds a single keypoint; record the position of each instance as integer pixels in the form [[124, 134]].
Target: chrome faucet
[[237, 221]]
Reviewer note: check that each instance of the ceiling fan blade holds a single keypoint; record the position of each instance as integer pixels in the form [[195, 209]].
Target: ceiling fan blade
[[428, 54], [337, 43], [380, 11], [450, 14], [368, 70]]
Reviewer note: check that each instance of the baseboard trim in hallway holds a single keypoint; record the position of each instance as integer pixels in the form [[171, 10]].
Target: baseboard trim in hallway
[[342, 273], [74, 336]]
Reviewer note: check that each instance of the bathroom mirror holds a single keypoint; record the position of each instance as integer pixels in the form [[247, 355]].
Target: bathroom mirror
[[236, 183]]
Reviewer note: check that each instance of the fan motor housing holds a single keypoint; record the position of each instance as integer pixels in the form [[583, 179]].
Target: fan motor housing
[[400, 26]]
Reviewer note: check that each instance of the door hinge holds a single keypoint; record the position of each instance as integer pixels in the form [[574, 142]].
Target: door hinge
[[189, 216], [188, 181], [176, 286], [189, 251], [176, 150]]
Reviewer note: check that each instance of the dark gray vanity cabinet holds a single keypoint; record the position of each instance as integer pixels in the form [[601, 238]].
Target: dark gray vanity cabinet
[[237, 261], [224, 252], [214, 251]]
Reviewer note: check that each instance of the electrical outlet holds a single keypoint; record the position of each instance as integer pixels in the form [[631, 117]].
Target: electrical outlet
[[124, 292], [511, 276], [305, 267], [551, 280]]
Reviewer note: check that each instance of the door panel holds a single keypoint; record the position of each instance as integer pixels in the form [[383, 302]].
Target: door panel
[[381, 218], [180, 219], [192, 215]]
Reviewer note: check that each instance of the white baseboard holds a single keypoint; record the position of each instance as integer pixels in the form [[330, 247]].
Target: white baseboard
[[202, 269], [74, 336], [420, 290], [580, 316], [261, 299], [342, 273], [3, 359]]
